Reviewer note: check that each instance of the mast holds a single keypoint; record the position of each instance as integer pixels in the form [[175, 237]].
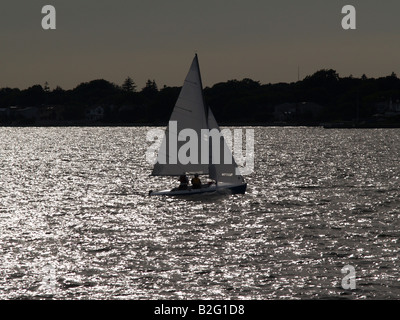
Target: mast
[[201, 87]]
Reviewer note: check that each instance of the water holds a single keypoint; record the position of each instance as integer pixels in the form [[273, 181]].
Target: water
[[76, 222]]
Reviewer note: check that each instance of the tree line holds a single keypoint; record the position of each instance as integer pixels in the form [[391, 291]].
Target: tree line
[[233, 102]]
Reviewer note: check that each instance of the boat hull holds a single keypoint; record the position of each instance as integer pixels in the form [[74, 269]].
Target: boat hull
[[226, 189]]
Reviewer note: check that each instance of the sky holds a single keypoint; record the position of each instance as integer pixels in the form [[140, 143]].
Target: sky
[[264, 40]]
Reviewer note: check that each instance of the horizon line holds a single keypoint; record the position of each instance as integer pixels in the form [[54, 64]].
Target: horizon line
[[176, 86]]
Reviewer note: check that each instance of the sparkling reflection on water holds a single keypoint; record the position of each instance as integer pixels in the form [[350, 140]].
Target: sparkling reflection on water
[[76, 222]]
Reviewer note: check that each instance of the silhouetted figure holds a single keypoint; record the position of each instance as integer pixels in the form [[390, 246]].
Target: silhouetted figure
[[196, 182], [184, 182]]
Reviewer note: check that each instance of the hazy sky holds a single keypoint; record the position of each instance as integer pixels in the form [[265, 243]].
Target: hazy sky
[[156, 39]]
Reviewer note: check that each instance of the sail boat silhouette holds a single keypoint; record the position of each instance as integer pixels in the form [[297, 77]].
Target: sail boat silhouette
[[214, 160]]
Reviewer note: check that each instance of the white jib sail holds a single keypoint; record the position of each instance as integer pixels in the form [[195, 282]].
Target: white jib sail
[[223, 167]]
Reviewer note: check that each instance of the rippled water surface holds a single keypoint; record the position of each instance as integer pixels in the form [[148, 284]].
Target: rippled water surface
[[76, 221]]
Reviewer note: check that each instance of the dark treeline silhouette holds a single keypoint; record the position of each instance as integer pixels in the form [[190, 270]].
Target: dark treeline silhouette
[[323, 97]]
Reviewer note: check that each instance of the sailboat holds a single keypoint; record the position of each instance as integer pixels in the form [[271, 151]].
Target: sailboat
[[211, 156]]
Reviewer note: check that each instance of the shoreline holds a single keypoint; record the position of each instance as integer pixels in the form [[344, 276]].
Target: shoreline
[[328, 125]]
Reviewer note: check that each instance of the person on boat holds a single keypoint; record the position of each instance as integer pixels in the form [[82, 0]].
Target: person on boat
[[184, 182], [196, 182]]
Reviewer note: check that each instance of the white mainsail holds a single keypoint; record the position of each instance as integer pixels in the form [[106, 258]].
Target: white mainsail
[[189, 112]]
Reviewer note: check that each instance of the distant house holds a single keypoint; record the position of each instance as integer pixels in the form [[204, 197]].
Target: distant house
[[19, 115], [296, 111], [394, 106], [50, 113], [95, 114], [388, 107]]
